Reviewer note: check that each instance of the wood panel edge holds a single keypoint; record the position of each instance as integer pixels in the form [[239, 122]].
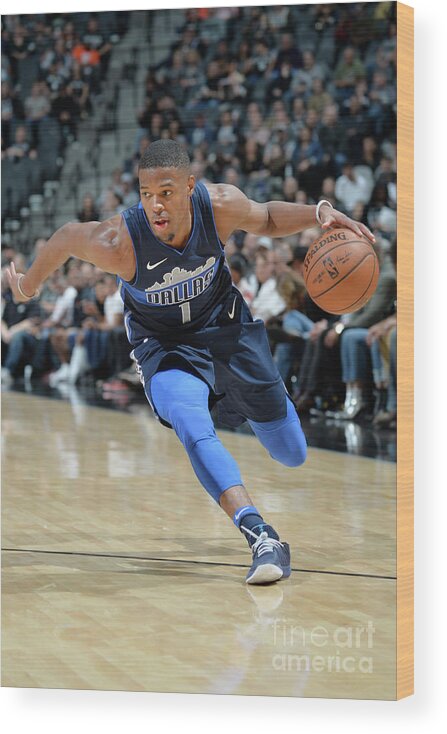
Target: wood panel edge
[[405, 352]]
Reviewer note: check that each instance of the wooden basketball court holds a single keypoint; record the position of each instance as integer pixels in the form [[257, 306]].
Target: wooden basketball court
[[119, 572]]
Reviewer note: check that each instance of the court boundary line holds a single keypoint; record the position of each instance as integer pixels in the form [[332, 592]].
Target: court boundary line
[[184, 560]]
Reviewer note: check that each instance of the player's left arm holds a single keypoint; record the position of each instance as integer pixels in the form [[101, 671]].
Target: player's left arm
[[234, 210]]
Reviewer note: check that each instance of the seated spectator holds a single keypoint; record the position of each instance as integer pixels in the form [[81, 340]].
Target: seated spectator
[[325, 24], [370, 154], [211, 93], [94, 39], [278, 17], [81, 91], [298, 116], [267, 302], [244, 281], [88, 211], [232, 85], [176, 131], [360, 365], [21, 145], [129, 194], [320, 97], [77, 317], [12, 110], [192, 76], [332, 139], [284, 255], [288, 53], [357, 127], [351, 188], [65, 320], [353, 335], [66, 110], [278, 118], [110, 204], [380, 215], [251, 157], [226, 135], [295, 324], [103, 315], [308, 159], [90, 60], [382, 95], [382, 338], [20, 326], [348, 72], [250, 246], [56, 78], [385, 173], [260, 60], [274, 159], [256, 128], [37, 105], [281, 84], [313, 123], [200, 132]]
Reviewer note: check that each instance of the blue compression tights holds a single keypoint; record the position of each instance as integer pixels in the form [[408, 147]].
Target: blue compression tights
[[181, 399]]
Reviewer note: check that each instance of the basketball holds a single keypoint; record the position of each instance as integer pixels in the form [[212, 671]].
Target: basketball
[[341, 270]]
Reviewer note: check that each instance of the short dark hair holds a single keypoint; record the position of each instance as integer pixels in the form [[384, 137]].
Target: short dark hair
[[165, 154]]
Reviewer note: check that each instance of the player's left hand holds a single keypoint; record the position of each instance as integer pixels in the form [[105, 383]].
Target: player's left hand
[[333, 218]]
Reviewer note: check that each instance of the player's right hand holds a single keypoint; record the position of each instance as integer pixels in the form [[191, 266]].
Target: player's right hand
[[13, 279]]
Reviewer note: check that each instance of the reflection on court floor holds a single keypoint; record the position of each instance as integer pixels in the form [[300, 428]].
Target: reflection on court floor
[[105, 586]]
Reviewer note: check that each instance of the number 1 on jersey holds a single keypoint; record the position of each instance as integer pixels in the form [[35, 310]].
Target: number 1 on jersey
[[186, 312]]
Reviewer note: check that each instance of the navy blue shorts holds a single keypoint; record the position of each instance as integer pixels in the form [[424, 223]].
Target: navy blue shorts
[[232, 355]]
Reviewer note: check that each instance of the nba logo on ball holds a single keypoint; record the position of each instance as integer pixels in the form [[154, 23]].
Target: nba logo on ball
[[330, 267], [341, 271]]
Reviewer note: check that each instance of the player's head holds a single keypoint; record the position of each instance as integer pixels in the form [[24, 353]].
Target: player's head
[[165, 154], [166, 187]]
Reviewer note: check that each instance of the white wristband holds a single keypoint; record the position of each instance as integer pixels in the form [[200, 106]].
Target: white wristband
[[19, 288], [319, 205]]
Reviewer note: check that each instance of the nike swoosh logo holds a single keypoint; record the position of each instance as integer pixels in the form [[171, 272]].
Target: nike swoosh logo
[[238, 514], [151, 267], [231, 313]]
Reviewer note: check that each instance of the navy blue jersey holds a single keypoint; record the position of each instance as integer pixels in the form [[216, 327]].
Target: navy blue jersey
[[174, 291]]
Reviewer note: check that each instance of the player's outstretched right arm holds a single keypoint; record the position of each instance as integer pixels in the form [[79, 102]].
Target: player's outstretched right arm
[[101, 243]]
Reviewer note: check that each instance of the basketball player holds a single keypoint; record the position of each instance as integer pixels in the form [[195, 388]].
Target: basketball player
[[194, 341]]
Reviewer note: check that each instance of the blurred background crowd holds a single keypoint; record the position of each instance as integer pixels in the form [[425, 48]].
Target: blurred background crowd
[[287, 102]]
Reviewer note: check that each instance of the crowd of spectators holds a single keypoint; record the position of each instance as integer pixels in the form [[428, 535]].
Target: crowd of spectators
[[74, 327], [295, 103], [52, 67]]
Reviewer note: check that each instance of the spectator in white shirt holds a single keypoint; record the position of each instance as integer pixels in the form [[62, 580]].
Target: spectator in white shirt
[[113, 305], [62, 314], [352, 188], [246, 283], [268, 302]]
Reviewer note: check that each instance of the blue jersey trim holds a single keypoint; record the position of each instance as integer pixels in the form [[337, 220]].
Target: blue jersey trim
[[208, 198], [136, 294], [135, 277]]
